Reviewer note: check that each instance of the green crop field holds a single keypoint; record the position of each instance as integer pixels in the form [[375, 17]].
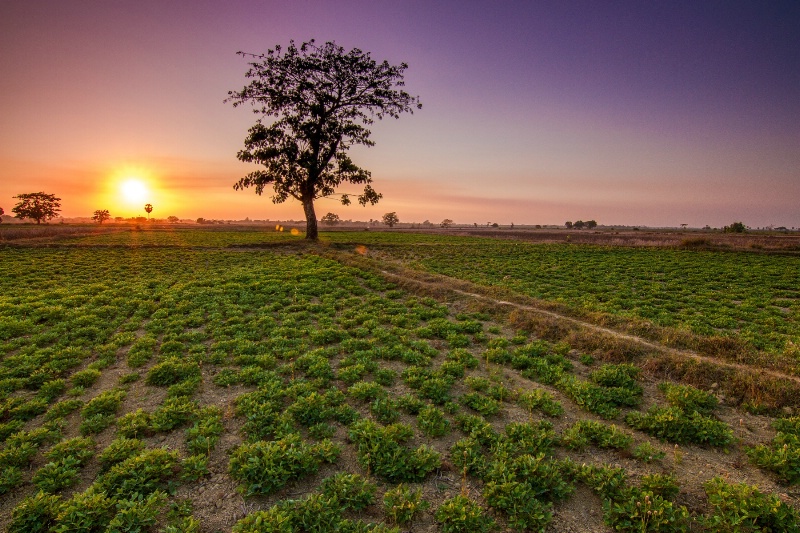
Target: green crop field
[[242, 380]]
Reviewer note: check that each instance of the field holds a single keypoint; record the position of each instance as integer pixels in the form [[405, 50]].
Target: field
[[243, 380]]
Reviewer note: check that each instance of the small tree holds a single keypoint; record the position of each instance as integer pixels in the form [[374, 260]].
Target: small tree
[[590, 224], [37, 205], [568, 224], [390, 219], [736, 227], [172, 219], [149, 209], [331, 219], [101, 215], [322, 99], [446, 223], [579, 224]]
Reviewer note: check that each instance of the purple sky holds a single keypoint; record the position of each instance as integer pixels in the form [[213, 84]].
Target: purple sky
[[639, 113]]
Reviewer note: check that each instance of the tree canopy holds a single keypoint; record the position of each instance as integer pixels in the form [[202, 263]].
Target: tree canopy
[[331, 219], [37, 205], [101, 215], [390, 219], [320, 100]]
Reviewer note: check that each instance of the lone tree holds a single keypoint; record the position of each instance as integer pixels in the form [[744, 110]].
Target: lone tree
[[320, 100], [101, 215], [37, 205], [390, 219], [446, 223], [172, 219], [149, 209], [331, 219]]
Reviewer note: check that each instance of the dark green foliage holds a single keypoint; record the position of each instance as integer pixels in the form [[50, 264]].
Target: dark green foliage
[[56, 475], [480, 403], [741, 508], [85, 378], [462, 356], [462, 515], [688, 398], [675, 425], [381, 451], [142, 474], [385, 410], [119, 450], [432, 422], [586, 432], [202, 437], [35, 514], [366, 391], [352, 492], [781, 456], [402, 503], [540, 400], [89, 511], [138, 514], [641, 511], [172, 371], [173, 413], [134, 424], [647, 452], [264, 467]]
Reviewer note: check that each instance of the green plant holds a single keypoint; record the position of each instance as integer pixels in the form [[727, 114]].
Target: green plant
[[173, 413], [119, 450], [264, 467], [585, 432], [171, 371], [781, 456], [741, 508], [385, 410], [350, 491], [462, 515], [480, 403], [540, 400], [138, 514], [402, 503], [432, 422], [91, 510], [688, 398], [663, 485], [35, 514], [133, 424], [640, 511], [85, 378], [647, 452], [194, 467], [141, 474], [381, 451], [677, 426]]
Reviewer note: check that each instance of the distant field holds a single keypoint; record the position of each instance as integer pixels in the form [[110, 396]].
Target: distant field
[[203, 381]]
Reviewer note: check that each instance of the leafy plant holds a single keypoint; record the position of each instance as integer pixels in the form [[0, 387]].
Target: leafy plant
[[689, 398], [585, 432], [462, 515], [264, 467], [432, 422], [741, 508], [540, 400], [402, 503], [381, 451], [677, 426]]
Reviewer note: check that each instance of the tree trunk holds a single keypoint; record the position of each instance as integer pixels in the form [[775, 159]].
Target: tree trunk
[[311, 220]]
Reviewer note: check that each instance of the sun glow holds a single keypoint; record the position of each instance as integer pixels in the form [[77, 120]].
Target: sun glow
[[134, 191]]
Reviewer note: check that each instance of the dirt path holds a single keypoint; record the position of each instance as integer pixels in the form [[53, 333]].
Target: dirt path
[[591, 327]]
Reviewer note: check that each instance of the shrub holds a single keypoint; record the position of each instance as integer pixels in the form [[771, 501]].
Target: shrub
[[105, 403], [741, 508], [480, 403], [432, 422], [350, 491], [141, 474], [202, 437], [530, 438], [133, 424], [173, 413], [540, 400], [782, 456], [137, 514], [35, 514], [85, 378], [385, 410], [675, 425], [90, 510], [172, 371], [647, 452], [119, 450], [462, 515], [585, 432], [623, 375], [688, 398], [381, 451], [366, 391], [264, 467], [642, 511], [402, 503]]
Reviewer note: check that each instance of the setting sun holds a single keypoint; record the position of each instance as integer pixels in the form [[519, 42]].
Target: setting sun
[[134, 191]]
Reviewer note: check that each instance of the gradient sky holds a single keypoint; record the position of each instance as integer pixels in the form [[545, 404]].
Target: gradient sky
[[637, 113]]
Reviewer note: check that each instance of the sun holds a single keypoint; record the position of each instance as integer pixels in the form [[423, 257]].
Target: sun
[[134, 190]]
